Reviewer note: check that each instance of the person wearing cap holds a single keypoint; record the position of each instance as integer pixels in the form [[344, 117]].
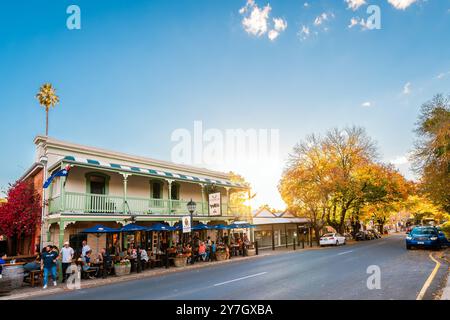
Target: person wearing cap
[[66, 259]]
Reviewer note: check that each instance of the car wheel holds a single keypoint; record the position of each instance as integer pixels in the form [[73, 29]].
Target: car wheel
[[408, 247]]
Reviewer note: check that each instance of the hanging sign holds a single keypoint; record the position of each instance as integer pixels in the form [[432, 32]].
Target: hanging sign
[[186, 224], [214, 204]]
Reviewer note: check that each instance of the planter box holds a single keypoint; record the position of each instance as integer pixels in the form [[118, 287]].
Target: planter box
[[251, 252], [220, 256], [180, 262], [121, 270]]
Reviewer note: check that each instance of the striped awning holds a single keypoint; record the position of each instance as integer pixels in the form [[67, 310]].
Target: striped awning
[[151, 172]]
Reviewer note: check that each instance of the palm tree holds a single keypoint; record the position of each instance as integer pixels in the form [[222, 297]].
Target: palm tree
[[47, 98]]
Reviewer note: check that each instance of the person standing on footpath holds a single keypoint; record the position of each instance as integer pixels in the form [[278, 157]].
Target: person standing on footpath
[[66, 259], [48, 264]]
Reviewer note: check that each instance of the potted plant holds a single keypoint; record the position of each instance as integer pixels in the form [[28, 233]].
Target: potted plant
[[122, 268], [221, 254], [180, 260]]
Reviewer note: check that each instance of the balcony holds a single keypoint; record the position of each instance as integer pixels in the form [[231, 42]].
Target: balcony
[[84, 203]]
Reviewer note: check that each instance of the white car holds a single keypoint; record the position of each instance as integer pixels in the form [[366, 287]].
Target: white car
[[334, 239]]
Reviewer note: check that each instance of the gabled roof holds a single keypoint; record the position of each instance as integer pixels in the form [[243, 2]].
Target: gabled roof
[[263, 213]]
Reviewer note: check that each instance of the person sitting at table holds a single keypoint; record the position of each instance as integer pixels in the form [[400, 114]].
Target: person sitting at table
[[34, 265], [87, 264], [202, 251]]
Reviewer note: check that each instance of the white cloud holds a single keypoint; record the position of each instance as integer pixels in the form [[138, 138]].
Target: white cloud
[[355, 4], [279, 24], [355, 21], [306, 4], [320, 19], [407, 88], [401, 4], [304, 33], [273, 35], [400, 160], [256, 21], [366, 104], [443, 75]]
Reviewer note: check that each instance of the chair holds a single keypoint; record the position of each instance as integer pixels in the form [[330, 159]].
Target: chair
[[34, 277]]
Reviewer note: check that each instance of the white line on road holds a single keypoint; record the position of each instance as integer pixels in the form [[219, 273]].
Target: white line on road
[[345, 252], [238, 279]]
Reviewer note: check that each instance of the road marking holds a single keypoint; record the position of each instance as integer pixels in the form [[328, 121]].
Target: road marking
[[238, 279], [345, 252], [430, 278]]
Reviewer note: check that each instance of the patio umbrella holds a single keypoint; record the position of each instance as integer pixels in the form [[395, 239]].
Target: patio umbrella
[[132, 228], [201, 226], [161, 227], [99, 230]]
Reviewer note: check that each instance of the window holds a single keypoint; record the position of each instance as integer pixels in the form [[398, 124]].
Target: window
[[175, 194], [156, 190], [98, 185]]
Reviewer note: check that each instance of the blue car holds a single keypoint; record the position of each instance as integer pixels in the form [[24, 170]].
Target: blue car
[[426, 236]]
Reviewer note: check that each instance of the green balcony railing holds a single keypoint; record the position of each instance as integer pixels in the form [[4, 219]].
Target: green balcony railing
[[85, 203]]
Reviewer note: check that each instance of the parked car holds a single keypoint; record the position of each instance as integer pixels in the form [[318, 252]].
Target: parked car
[[426, 236], [334, 239]]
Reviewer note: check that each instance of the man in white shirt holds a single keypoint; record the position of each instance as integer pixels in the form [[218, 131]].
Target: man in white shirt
[[66, 259], [85, 248]]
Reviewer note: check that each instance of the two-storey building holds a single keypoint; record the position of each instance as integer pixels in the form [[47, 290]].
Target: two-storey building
[[115, 189]]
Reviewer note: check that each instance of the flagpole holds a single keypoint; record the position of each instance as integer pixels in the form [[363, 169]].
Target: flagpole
[[44, 161]]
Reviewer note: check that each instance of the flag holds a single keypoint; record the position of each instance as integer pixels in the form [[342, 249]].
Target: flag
[[60, 173]]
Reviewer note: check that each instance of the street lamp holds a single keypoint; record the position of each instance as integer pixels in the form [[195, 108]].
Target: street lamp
[[191, 206]]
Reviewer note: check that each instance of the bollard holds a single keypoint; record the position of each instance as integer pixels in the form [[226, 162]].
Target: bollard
[[256, 247], [167, 261], [294, 243]]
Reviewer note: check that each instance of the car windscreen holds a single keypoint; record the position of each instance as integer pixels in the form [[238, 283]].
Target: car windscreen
[[423, 231]]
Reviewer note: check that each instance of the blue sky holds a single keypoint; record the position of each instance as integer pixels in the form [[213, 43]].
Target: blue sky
[[137, 70]]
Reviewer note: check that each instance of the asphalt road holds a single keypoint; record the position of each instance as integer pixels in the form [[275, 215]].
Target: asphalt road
[[331, 273]]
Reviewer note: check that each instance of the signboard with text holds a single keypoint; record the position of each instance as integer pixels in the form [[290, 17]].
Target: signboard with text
[[214, 204], [186, 224]]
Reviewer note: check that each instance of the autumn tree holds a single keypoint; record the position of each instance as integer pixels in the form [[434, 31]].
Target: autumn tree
[[20, 215], [332, 180], [240, 198], [305, 186], [432, 150]]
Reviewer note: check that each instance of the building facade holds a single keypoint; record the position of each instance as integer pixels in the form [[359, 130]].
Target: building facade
[[115, 189], [279, 229]]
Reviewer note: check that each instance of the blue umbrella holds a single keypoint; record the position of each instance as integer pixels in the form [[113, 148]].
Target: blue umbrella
[[132, 228], [161, 227], [219, 227], [100, 229], [201, 226]]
